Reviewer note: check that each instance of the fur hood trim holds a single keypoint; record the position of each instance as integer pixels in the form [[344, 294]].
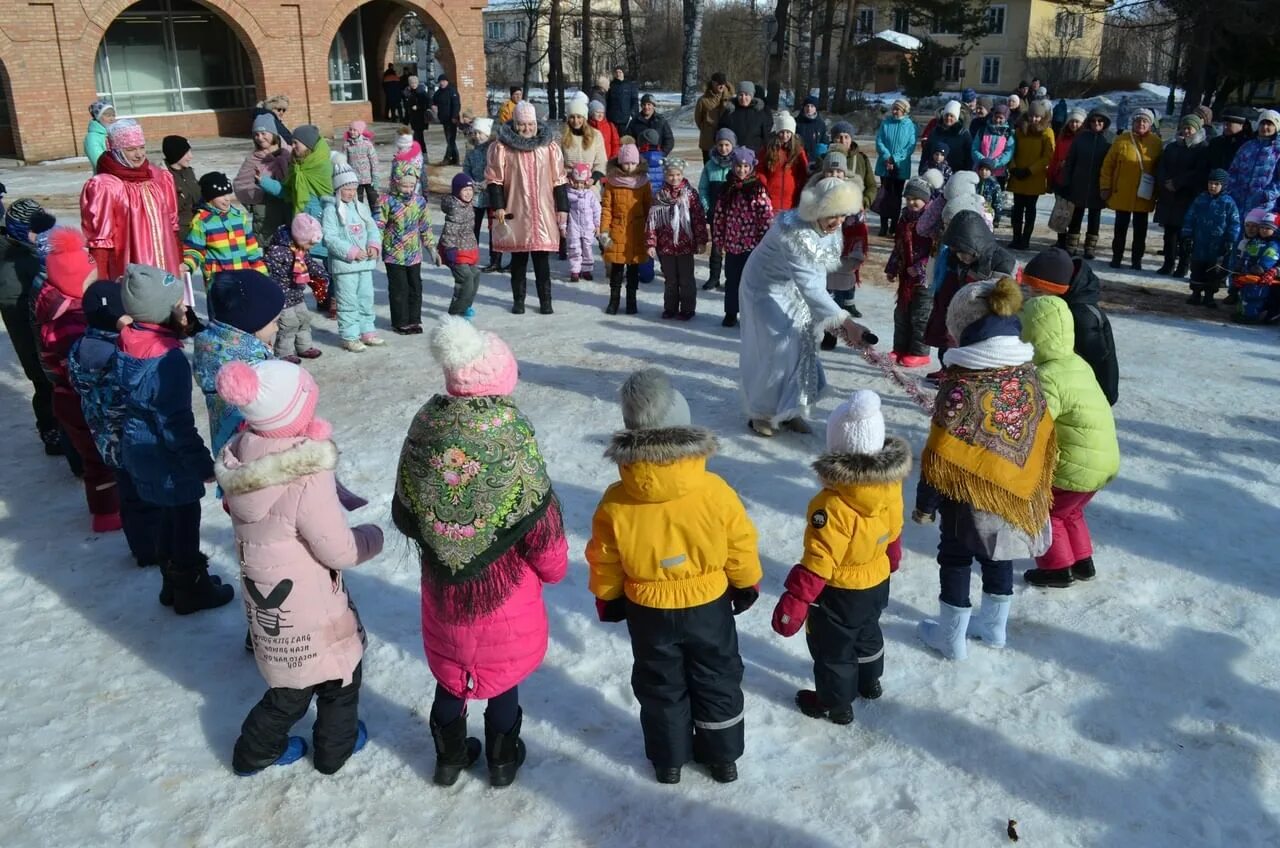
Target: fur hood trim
[[506, 134], [891, 464], [661, 446], [275, 469]]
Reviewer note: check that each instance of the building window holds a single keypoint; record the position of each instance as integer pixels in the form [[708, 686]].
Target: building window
[[519, 27], [866, 21], [952, 69], [172, 56], [995, 19], [346, 61], [943, 25], [495, 31], [902, 20], [1068, 25], [990, 70], [576, 29]]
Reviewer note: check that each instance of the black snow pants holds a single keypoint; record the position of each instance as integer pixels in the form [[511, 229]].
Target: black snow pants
[[265, 732], [845, 642]]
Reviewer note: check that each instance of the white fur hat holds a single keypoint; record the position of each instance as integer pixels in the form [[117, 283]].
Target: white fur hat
[[576, 107], [952, 108], [934, 178], [784, 121], [650, 402], [958, 204], [961, 182], [483, 126], [1270, 115], [857, 425], [827, 197]]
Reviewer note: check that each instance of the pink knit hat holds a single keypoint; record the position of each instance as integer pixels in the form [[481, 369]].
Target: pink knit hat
[[305, 229], [628, 154], [580, 171], [125, 132], [357, 128], [277, 398], [525, 112], [475, 363]]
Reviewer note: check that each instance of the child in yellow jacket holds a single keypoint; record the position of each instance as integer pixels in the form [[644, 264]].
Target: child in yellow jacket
[[673, 553], [851, 545]]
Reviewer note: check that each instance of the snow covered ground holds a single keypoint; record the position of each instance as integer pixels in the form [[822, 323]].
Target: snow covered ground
[[1136, 710]]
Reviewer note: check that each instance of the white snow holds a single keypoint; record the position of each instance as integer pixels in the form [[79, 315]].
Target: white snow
[[1137, 710], [898, 39]]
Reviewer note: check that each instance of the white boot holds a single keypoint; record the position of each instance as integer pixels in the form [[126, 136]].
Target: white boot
[[946, 635], [988, 625]]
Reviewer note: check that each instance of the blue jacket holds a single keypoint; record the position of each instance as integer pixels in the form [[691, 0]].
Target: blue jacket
[[1213, 225], [358, 232], [160, 447], [473, 166], [896, 140], [217, 345], [91, 365], [714, 174], [653, 161]]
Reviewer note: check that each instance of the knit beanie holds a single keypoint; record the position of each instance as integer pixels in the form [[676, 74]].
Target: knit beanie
[[743, 156], [1001, 110], [174, 148], [835, 160], [475, 362], [357, 128], [726, 134], [903, 104], [674, 163], [125, 133], [1258, 216], [1144, 113], [98, 108], [460, 181], [1014, 102], [984, 310], [575, 107], [1205, 113], [595, 106], [1039, 109], [842, 127], [245, 299], [1271, 116], [961, 182], [264, 123], [651, 139], [215, 184], [1219, 175], [968, 95], [482, 126], [952, 108], [17, 218], [343, 175], [857, 425], [68, 265], [103, 305], [827, 198], [650, 402], [401, 168], [628, 154], [308, 134], [277, 398], [524, 112], [404, 139], [306, 229], [580, 172], [989, 164], [1191, 120], [1050, 271], [934, 178], [918, 188], [784, 121], [747, 87], [1076, 114], [150, 293], [986, 103], [963, 203]]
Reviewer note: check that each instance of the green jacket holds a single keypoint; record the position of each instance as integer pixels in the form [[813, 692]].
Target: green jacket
[[95, 143], [1088, 451]]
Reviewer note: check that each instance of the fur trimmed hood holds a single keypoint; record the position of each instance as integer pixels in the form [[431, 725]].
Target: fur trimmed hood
[[265, 468], [891, 464], [661, 446], [506, 134]]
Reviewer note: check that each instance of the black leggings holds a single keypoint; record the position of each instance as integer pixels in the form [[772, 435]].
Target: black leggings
[[1077, 218], [1122, 230], [501, 714], [1024, 215], [891, 204]]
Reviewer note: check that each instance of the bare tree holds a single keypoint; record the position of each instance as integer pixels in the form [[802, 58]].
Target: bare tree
[[824, 70], [1056, 52], [690, 86], [778, 52], [629, 40], [586, 63], [555, 74]]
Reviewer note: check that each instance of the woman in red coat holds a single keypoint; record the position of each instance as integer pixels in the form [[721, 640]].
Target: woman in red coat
[[784, 167], [1057, 171]]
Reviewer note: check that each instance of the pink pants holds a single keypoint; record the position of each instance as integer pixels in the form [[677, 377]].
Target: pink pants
[[1071, 542], [580, 250]]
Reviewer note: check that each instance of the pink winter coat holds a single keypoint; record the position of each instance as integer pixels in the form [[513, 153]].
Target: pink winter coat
[[487, 656], [293, 541]]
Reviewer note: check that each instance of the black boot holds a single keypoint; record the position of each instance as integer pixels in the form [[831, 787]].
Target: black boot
[[1091, 246], [828, 342], [615, 291], [1084, 570], [870, 691], [455, 750], [52, 440], [504, 751], [809, 704], [632, 309], [517, 297], [194, 589], [1049, 578], [1117, 255], [1139, 248], [1196, 295], [666, 774], [1184, 258], [544, 296]]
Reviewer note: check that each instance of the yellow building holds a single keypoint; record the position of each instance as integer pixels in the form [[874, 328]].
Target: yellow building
[[507, 24], [1058, 40]]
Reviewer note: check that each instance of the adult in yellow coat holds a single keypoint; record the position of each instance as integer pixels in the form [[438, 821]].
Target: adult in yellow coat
[[673, 553], [1032, 153], [1128, 184]]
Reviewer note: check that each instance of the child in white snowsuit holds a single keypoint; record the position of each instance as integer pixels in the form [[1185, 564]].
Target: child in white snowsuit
[[354, 244], [584, 223]]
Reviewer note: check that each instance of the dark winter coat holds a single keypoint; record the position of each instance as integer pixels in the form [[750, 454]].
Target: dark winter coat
[[957, 139], [19, 266], [416, 104], [1213, 226], [1094, 342], [1083, 165], [448, 105], [812, 133], [622, 102], [639, 123], [1223, 149], [968, 232], [187, 187], [751, 125], [160, 446], [1187, 167], [92, 367]]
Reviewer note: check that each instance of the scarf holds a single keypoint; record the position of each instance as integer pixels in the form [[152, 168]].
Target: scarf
[[301, 275], [310, 177], [992, 444], [116, 167], [473, 484], [671, 209], [722, 161], [995, 352], [623, 180]]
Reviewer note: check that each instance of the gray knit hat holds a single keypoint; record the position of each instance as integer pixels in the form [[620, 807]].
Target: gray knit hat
[[918, 188], [150, 294], [747, 87], [308, 134], [650, 402], [264, 123]]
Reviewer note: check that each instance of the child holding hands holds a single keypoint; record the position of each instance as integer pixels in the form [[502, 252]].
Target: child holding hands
[[355, 245]]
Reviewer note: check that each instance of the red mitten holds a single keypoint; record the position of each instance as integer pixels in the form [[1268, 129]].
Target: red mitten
[[612, 611], [802, 589], [895, 554]]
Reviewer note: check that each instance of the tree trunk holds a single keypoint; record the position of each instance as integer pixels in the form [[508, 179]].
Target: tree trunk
[[531, 29], [690, 87], [824, 71], [848, 58], [778, 58], [587, 73], [629, 41], [555, 74]]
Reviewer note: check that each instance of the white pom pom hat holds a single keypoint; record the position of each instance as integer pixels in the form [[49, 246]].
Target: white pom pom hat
[[475, 362], [857, 425], [277, 398]]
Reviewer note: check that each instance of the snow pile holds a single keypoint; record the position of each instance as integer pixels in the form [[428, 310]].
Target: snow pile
[[898, 39]]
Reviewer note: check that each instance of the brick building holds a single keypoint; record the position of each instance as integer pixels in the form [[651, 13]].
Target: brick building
[[197, 68]]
